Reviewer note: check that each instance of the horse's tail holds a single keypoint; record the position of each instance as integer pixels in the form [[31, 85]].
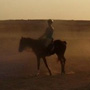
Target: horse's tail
[[65, 42]]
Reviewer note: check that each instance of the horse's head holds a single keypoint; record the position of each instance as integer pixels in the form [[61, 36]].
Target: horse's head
[[24, 43], [21, 44]]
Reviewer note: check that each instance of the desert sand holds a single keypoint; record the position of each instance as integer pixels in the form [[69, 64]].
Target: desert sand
[[17, 70]]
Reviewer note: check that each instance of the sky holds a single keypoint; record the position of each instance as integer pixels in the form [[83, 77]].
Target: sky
[[45, 9]]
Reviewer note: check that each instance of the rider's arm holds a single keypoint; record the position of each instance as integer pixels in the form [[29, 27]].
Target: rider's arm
[[44, 34]]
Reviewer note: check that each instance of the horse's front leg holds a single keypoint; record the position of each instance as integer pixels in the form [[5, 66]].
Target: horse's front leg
[[44, 59], [38, 66]]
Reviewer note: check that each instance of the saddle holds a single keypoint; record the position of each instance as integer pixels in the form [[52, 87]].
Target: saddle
[[50, 48]]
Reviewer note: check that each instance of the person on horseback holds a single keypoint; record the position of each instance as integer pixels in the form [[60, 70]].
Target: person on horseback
[[47, 36]]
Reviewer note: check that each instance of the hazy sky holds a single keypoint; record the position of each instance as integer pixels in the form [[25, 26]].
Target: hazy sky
[[45, 9]]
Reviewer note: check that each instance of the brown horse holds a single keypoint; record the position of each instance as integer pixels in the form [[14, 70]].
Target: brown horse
[[58, 47]]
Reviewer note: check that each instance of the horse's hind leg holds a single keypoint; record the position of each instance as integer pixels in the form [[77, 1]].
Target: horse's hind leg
[[44, 59], [62, 61], [38, 65]]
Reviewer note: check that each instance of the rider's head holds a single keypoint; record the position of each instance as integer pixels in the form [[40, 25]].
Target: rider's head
[[50, 21]]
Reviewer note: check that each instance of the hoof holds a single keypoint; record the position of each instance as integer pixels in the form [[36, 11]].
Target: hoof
[[63, 73], [50, 74], [37, 74]]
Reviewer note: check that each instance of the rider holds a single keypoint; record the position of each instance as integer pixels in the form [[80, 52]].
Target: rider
[[47, 36]]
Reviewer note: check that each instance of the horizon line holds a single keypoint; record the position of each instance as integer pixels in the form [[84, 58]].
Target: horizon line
[[44, 19]]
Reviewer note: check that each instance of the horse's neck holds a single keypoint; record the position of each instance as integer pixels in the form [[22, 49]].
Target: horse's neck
[[33, 43], [35, 46]]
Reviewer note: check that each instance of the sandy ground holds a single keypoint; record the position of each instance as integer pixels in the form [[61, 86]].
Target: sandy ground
[[17, 70]]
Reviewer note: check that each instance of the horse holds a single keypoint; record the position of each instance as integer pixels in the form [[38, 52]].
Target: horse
[[58, 48]]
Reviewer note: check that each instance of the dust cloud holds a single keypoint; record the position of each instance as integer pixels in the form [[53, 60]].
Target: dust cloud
[[14, 63], [75, 33]]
